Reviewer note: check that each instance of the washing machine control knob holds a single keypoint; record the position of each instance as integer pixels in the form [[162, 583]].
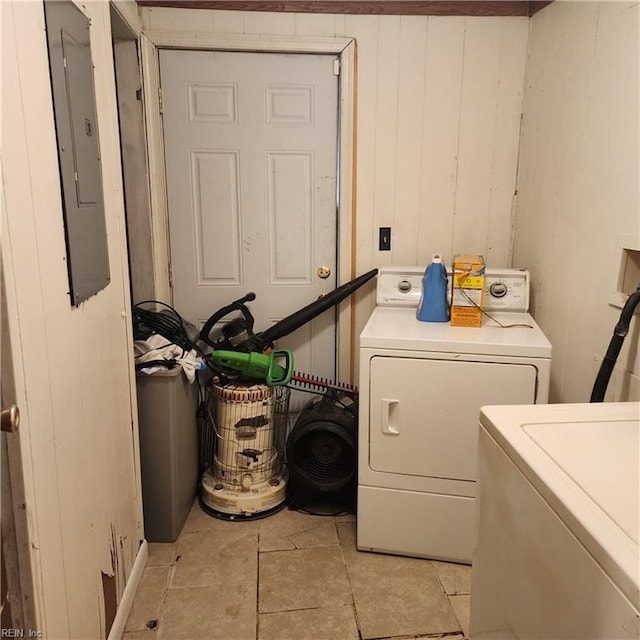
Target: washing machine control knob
[[404, 286], [498, 289]]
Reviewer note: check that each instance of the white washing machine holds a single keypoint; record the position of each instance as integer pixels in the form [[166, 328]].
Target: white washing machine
[[421, 388], [558, 556]]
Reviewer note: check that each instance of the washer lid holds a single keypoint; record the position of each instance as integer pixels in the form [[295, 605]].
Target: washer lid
[[398, 328], [584, 459]]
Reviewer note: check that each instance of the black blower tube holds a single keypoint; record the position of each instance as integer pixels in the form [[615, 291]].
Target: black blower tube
[[304, 315], [619, 334]]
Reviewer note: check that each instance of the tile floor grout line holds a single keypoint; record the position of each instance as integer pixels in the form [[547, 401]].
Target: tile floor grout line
[[161, 600], [258, 537], [156, 628], [346, 570], [319, 608], [173, 565]]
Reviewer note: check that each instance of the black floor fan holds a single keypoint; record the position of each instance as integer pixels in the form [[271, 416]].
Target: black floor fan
[[322, 456]]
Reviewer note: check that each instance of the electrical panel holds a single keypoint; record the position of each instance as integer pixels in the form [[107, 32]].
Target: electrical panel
[[73, 89]]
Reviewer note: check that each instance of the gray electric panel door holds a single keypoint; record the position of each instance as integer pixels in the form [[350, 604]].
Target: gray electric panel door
[[78, 151]]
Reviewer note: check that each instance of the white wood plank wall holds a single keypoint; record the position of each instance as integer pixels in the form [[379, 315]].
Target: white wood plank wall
[[438, 117], [74, 366], [578, 186]]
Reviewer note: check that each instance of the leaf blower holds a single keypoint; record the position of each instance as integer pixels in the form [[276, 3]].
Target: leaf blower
[[238, 333]]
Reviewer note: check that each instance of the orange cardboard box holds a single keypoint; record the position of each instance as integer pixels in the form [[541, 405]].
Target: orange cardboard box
[[466, 291]]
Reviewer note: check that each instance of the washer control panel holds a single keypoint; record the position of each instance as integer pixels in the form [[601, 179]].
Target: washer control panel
[[504, 289]]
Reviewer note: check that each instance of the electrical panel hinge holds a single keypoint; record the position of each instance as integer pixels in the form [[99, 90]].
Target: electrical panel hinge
[[336, 67], [160, 106]]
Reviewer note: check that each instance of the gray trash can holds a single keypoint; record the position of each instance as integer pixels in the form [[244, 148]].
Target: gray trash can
[[167, 406]]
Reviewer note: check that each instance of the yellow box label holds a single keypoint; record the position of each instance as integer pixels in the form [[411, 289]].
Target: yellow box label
[[466, 317], [466, 281]]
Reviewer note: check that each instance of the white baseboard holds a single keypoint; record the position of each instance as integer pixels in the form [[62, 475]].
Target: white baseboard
[[119, 622]]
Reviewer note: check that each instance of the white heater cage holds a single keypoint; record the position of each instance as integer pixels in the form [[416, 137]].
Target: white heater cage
[[244, 440]]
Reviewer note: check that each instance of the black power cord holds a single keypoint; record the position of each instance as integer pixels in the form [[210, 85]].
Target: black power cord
[[168, 364], [167, 323], [619, 334]]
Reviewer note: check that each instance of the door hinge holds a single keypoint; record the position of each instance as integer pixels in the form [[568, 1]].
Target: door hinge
[[160, 105], [336, 67]]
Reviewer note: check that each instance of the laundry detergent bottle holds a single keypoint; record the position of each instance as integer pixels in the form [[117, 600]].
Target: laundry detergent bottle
[[433, 305]]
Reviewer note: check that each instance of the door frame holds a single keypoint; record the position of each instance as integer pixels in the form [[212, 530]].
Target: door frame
[[345, 49], [125, 43]]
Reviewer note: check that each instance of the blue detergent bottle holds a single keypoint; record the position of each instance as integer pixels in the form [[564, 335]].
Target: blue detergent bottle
[[433, 305]]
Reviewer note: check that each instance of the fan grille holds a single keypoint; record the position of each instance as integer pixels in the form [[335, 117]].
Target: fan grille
[[324, 458]]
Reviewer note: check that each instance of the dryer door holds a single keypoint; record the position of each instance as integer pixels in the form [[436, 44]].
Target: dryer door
[[424, 412]]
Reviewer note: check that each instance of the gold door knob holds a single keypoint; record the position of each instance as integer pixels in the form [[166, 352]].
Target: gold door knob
[[10, 418], [324, 272]]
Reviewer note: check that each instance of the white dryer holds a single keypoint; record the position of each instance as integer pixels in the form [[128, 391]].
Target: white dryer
[[421, 388]]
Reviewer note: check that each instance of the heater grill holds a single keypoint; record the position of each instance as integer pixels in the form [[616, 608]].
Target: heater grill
[[247, 477]]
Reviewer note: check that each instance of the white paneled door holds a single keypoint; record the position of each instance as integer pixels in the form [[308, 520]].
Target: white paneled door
[[250, 147]]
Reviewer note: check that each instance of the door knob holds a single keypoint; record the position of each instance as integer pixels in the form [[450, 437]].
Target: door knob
[[324, 272], [10, 418]]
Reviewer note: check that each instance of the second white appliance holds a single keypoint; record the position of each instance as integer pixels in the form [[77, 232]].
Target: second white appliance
[[558, 553], [421, 388]]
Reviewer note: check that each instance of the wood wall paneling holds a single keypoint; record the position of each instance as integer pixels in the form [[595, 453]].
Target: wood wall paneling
[[386, 97], [78, 431], [578, 186], [440, 137]]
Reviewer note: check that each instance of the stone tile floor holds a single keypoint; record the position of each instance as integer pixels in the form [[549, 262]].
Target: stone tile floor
[[292, 576]]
